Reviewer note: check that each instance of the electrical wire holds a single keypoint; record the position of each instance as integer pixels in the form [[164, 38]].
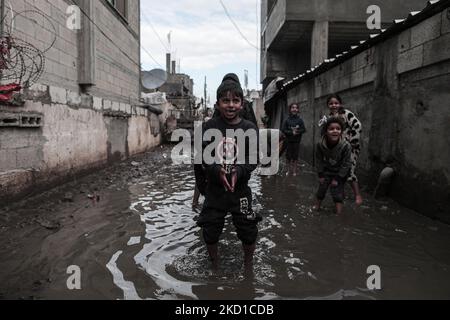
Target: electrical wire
[[236, 26], [154, 31]]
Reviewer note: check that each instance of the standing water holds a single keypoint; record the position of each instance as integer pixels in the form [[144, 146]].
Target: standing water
[[301, 254], [141, 241]]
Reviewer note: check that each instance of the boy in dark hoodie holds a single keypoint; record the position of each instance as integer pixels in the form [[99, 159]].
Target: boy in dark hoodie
[[293, 128], [246, 113], [227, 189], [333, 162]]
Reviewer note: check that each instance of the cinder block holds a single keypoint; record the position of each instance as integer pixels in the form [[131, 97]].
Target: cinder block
[[445, 21], [404, 41], [115, 106], [370, 73], [98, 103], [107, 105], [427, 30], [128, 109], [437, 50], [357, 78], [37, 87], [73, 98], [410, 60], [344, 83], [58, 95]]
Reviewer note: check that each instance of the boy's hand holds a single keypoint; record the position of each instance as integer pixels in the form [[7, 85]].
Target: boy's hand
[[224, 180], [334, 183], [229, 185], [321, 180]]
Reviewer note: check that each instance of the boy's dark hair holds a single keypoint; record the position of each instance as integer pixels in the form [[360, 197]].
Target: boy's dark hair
[[330, 121], [334, 96], [230, 86]]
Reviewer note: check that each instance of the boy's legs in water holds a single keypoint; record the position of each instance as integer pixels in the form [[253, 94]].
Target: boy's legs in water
[[249, 251], [339, 207], [324, 184], [213, 251], [294, 167], [317, 205], [196, 198]]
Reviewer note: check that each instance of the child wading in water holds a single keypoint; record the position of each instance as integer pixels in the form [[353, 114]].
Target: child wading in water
[[352, 133], [227, 191], [333, 156], [293, 129]]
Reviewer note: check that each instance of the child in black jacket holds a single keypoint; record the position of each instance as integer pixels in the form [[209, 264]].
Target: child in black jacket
[[293, 128], [227, 189], [333, 162]]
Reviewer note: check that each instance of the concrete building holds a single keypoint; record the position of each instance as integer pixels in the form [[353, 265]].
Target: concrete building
[[85, 110], [298, 34], [179, 88], [397, 85]]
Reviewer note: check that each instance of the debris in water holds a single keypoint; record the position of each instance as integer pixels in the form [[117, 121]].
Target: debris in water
[[50, 225], [68, 197]]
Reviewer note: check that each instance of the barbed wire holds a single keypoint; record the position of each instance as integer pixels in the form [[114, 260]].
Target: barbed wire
[[22, 62]]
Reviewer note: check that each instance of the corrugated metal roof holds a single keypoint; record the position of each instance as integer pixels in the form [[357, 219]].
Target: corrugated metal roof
[[415, 17]]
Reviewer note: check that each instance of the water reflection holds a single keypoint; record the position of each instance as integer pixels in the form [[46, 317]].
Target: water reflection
[[301, 254]]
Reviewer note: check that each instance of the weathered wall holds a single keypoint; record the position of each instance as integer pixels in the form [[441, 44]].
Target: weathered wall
[[86, 135], [79, 130], [116, 74], [400, 91]]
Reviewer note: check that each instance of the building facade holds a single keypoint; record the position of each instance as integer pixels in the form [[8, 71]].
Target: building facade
[[299, 34]]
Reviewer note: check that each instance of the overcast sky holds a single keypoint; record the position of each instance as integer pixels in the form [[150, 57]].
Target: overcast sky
[[203, 38]]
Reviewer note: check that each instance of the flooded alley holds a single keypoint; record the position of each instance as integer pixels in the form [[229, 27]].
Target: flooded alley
[[132, 232]]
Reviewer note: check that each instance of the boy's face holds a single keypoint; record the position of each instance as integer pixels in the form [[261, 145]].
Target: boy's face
[[229, 106], [334, 132], [334, 105], [295, 109]]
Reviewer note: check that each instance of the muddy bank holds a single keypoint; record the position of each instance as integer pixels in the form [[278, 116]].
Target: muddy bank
[[79, 223]]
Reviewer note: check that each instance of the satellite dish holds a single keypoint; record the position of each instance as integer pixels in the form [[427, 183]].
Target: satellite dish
[[154, 79]]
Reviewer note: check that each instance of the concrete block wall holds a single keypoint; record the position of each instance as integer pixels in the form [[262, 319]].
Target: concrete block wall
[[399, 90], [85, 134], [117, 55], [117, 74], [79, 131], [62, 58]]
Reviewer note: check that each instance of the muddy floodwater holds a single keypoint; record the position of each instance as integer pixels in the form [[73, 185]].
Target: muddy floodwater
[[131, 231]]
